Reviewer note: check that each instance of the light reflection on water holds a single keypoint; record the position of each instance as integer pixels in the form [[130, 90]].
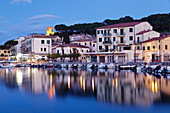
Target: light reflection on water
[[123, 87]]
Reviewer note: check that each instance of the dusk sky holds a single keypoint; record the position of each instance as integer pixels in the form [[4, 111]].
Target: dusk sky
[[22, 17]]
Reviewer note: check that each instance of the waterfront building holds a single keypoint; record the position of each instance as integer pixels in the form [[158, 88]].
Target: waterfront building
[[70, 48], [4, 54], [126, 39], [150, 49], [86, 42]]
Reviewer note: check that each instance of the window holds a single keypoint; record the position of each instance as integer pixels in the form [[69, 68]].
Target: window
[[166, 46], [100, 47], [87, 51], [144, 48], [57, 51], [79, 43], [114, 30], [8, 51], [148, 47], [153, 47], [98, 32], [114, 38], [41, 49], [130, 37], [82, 51], [101, 31], [93, 45], [48, 41], [42, 41], [84, 43], [44, 49], [130, 29], [4, 51], [126, 48], [100, 39], [138, 47]]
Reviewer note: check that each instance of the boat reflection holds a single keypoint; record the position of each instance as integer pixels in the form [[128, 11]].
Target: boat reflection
[[124, 87]]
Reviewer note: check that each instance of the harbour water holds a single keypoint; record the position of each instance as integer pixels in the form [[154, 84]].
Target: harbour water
[[25, 90]]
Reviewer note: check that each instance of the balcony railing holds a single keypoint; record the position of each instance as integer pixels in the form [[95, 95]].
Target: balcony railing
[[121, 34], [104, 50], [119, 42], [107, 42], [107, 34]]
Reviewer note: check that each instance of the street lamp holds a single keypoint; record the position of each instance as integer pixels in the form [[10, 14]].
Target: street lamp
[[160, 48], [113, 50], [90, 51]]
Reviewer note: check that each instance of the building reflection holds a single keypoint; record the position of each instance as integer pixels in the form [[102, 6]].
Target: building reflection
[[124, 87]]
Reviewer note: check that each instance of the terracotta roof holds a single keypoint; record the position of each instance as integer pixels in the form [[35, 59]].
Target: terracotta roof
[[142, 32], [72, 45], [153, 39], [120, 25], [83, 40], [33, 36]]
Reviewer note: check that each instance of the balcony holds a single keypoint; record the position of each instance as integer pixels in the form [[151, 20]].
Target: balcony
[[107, 42], [120, 43], [121, 34], [107, 34], [104, 50]]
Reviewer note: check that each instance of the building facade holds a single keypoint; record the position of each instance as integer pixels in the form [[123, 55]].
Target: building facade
[[151, 52], [124, 40]]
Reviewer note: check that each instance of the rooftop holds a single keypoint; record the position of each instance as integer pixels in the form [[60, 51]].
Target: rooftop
[[142, 32], [120, 25], [72, 45], [154, 39]]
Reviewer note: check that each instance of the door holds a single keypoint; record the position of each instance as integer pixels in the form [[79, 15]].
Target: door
[[166, 58], [121, 59], [121, 39], [102, 58], [121, 31], [106, 48], [153, 57]]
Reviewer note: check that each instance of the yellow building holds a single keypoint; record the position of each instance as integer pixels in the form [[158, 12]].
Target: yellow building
[[50, 31], [150, 49]]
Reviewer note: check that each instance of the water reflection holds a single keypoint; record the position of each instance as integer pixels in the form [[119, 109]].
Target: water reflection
[[123, 87]]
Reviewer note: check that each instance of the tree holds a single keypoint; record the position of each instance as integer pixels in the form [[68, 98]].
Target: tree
[[66, 37]]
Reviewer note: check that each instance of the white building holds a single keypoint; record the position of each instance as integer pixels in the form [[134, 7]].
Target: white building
[[39, 45], [86, 42], [124, 37], [73, 48]]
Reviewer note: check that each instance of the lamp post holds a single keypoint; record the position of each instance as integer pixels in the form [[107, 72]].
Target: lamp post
[[70, 51], [160, 48], [113, 51], [90, 51], [135, 46]]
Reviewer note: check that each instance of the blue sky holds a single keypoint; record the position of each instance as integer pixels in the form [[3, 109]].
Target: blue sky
[[22, 17]]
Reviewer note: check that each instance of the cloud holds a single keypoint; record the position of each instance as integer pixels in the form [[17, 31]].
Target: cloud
[[4, 22], [1, 17], [43, 17], [20, 1]]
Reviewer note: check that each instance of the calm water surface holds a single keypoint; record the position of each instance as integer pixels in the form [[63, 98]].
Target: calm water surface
[[32, 90]]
